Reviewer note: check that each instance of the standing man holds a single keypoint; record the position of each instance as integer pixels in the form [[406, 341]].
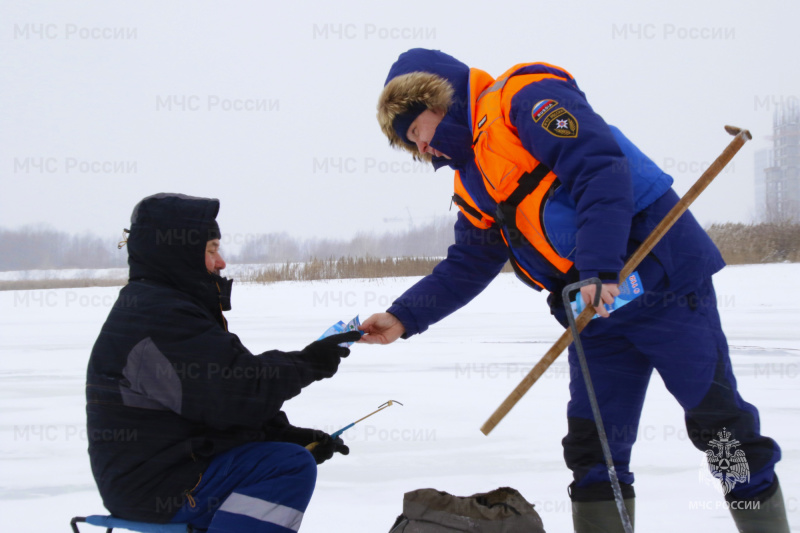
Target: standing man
[[541, 180], [184, 423]]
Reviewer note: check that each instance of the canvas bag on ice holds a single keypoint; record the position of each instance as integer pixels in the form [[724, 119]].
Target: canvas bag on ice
[[502, 510]]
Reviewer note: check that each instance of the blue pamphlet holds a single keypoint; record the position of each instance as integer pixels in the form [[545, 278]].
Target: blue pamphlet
[[341, 327], [628, 291]]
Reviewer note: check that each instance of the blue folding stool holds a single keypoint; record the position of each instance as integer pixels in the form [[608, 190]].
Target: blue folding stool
[[110, 522]]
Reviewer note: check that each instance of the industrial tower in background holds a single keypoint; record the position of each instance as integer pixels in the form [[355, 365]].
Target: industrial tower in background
[[777, 179]]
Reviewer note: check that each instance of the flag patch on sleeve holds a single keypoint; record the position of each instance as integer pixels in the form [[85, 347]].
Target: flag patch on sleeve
[[541, 108]]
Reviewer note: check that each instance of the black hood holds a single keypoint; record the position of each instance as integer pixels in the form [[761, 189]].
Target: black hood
[[167, 244]]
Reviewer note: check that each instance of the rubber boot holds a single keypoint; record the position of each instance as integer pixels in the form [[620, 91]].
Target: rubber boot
[[768, 516], [600, 517]]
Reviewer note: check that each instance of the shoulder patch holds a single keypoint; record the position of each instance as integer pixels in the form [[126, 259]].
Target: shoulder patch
[[561, 123], [541, 108]]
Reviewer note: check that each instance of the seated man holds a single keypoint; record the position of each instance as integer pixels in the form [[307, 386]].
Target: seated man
[[184, 423]]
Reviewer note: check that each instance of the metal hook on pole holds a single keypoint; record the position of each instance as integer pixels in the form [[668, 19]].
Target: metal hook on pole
[[380, 408]]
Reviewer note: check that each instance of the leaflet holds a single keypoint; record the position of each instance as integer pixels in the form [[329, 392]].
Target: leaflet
[[629, 290], [341, 327]]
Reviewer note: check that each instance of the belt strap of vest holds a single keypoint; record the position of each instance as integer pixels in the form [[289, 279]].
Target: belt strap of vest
[[460, 202], [507, 210]]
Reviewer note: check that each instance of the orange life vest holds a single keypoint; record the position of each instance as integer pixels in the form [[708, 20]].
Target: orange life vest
[[511, 175]]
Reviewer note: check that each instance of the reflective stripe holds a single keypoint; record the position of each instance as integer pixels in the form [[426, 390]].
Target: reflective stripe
[[496, 86], [265, 511]]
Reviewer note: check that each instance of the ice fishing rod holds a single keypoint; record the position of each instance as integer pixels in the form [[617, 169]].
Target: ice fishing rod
[[348, 426], [741, 137]]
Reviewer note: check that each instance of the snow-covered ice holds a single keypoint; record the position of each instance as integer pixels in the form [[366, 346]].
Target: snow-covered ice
[[450, 379]]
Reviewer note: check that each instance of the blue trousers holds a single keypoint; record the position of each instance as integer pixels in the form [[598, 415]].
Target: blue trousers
[[681, 338], [263, 487]]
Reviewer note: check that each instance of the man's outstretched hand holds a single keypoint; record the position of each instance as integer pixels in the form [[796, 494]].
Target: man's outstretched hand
[[381, 328], [322, 357]]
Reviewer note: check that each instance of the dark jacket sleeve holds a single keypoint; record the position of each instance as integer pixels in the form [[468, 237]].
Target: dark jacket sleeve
[[204, 373], [590, 164], [471, 264]]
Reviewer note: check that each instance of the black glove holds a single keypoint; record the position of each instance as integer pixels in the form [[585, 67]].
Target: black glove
[[322, 357], [325, 445]]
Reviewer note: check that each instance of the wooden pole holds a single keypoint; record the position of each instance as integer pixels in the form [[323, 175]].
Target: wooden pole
[[741, 137]]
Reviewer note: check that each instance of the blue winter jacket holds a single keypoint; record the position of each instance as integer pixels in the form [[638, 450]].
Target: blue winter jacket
[[611, 197]]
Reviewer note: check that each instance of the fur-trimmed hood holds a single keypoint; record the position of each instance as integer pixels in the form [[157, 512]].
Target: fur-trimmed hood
[[402, 93], [433, 78]]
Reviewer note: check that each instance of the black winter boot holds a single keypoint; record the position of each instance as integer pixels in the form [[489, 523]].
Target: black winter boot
[[600, 517], [756, 516]]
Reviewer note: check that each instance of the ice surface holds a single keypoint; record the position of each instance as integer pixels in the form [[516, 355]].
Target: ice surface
[[450, 379]]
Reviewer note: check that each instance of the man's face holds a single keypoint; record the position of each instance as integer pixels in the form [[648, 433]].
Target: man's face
[[421, 131], [214, 261]]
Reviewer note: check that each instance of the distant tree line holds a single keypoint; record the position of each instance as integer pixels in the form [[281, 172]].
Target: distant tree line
[[41, 247], [429, 240], [38, 247]]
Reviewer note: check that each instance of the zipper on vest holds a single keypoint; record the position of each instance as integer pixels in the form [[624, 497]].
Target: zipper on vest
[[478, 164], [485, 177]]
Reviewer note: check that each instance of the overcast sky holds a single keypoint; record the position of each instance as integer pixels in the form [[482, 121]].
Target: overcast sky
[[270, 106]]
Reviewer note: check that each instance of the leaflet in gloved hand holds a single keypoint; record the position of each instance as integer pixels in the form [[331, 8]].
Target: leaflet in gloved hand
[[628, 291], [341, 327]]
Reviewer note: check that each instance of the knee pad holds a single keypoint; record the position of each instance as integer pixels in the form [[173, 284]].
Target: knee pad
[[582, 450]]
